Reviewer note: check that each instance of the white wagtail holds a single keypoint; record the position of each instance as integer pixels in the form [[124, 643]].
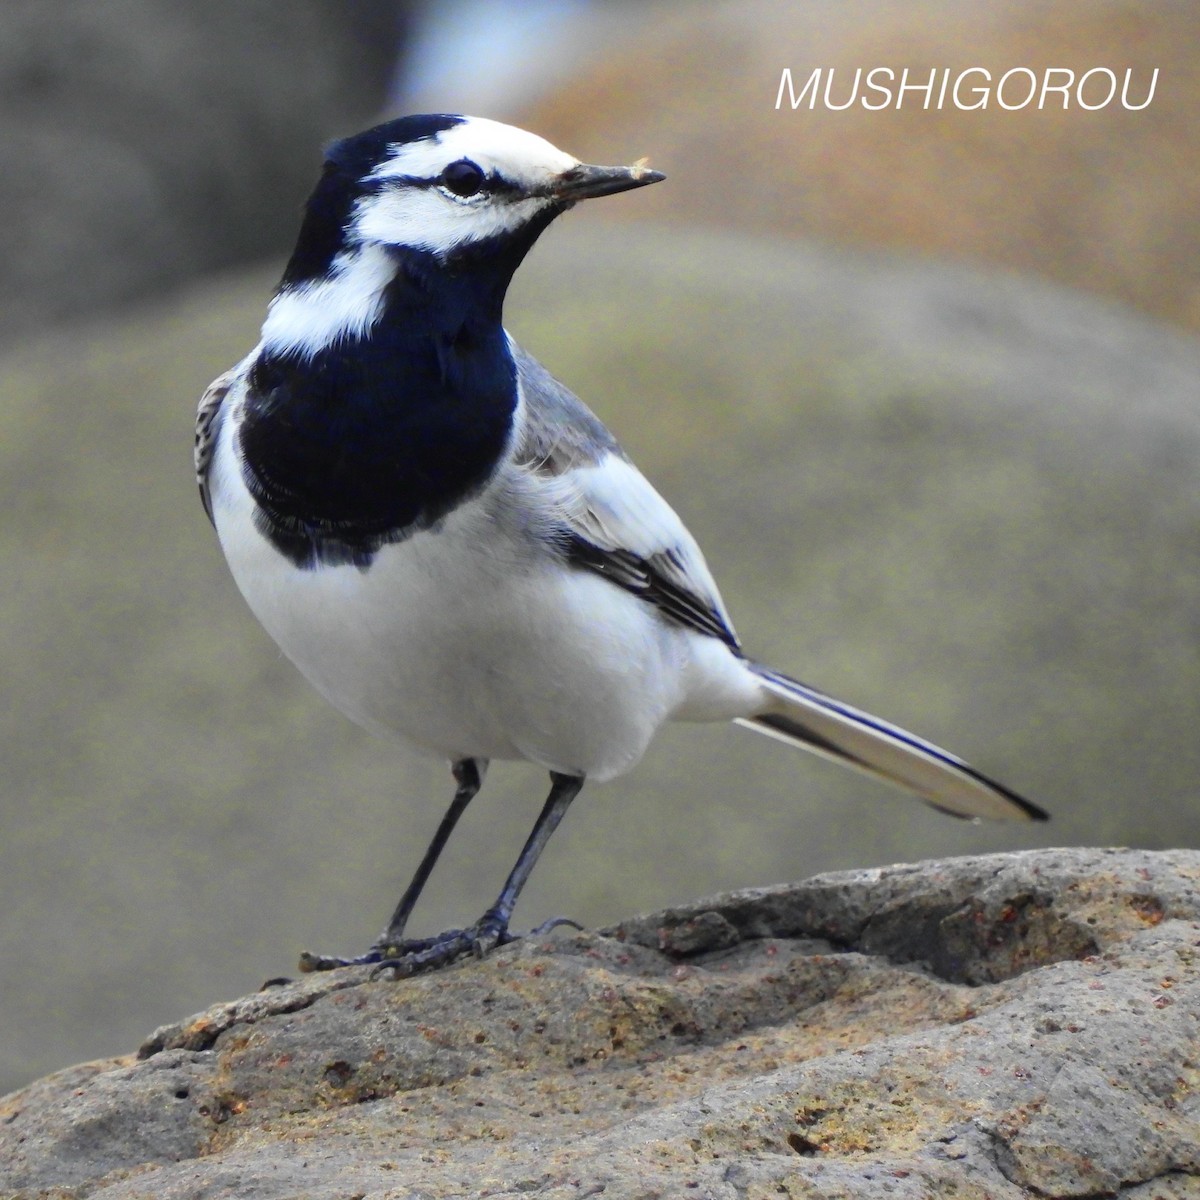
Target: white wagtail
[[447, 543]]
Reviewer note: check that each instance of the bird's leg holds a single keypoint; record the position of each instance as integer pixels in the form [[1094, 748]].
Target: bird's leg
[[492, 928], [468, 774]]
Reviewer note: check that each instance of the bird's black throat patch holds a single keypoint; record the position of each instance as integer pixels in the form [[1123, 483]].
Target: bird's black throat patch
[[381, 433], [370, 440]]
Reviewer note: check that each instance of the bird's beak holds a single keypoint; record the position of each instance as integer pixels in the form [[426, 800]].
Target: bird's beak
[[582, 182]]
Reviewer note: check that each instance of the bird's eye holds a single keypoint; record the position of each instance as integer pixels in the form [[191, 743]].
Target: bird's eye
[[463, 178]]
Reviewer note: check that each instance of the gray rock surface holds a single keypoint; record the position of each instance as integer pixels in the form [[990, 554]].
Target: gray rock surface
[[965, 502], [1000, 1026]]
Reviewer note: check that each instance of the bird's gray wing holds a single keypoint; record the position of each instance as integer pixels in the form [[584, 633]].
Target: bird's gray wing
[[612, 521], [208, 425]]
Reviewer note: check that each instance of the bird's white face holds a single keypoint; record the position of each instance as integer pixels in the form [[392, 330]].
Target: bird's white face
[[477, 180]]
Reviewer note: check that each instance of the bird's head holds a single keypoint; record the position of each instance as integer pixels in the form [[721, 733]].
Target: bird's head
[[457, 188], [428, 213]]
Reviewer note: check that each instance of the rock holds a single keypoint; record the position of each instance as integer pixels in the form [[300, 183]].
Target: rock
[[994, 1026]]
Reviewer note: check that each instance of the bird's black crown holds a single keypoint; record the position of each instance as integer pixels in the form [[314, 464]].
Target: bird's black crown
[[348, 163]]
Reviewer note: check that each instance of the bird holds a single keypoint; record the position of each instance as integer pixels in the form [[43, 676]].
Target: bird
[[448, 544]]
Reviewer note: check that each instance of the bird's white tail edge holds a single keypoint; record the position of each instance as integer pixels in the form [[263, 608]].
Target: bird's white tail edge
[[804, 717]]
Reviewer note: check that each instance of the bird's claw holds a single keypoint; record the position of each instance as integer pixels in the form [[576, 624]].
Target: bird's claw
[[427, 954], [412, 956], [326, 962], [381, 952], [553, 923]]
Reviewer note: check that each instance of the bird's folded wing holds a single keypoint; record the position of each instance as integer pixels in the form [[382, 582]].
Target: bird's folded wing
[[612, 520], [208, 423]]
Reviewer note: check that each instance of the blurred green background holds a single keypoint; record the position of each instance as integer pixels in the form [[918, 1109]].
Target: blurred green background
[[925, 385]]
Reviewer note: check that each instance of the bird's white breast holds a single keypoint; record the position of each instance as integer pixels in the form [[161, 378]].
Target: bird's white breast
[[471, 639]]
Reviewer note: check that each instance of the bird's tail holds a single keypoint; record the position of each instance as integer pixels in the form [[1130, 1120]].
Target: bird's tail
[[802, 716]]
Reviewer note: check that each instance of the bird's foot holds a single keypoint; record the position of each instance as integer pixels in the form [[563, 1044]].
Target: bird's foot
[[412, 956], [379, 952]]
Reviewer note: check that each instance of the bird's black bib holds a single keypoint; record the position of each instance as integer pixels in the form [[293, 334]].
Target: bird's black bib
[[369, 441]]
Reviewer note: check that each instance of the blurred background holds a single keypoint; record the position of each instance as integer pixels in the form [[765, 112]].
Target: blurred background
[[926, 385]]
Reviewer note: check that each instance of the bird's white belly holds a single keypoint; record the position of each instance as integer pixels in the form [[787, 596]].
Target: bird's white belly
[[466, 644]]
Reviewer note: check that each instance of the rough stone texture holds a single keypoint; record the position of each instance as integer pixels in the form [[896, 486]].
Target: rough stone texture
[[965, 502], [1001, 1026]]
